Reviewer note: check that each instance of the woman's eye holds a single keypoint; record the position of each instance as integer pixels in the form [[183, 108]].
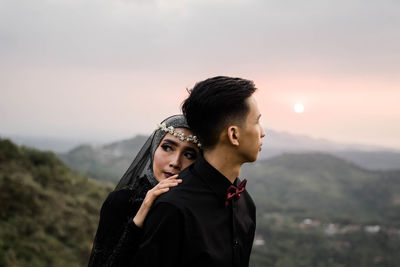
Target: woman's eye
[[189, 155], [166, 147]]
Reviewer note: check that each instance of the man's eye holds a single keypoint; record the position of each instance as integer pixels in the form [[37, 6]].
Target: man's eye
[[166, 147]]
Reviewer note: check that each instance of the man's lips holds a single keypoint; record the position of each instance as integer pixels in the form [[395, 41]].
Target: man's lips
[[168, 174]]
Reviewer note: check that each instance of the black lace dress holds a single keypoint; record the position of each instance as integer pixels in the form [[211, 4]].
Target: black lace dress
[[117, 237]]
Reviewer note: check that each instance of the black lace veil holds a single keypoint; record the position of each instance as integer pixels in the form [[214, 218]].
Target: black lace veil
[[142, 165]]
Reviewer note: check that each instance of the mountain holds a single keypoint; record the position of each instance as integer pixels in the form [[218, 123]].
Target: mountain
[[368, 157], [372, 160], [48, 213], [106, 163], [312, 210], [55, 144], [298, 142]]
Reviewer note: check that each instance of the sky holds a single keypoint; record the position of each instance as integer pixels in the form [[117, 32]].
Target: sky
[[105, 70]]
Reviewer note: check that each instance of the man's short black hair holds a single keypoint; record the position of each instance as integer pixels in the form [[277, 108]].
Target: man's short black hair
[[214, 103]]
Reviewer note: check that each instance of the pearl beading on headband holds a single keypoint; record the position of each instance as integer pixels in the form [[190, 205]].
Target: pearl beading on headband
[[179, 134]]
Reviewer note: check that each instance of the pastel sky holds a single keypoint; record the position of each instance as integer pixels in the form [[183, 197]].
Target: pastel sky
[[104, 70]]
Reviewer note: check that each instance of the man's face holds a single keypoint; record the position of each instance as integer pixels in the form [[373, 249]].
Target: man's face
[[251, 133]]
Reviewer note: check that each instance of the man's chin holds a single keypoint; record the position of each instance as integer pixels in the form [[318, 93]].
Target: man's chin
[[252, 159]]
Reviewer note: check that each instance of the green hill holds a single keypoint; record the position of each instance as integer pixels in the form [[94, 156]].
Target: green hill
[[319, 210], [324, 187], [48, 213]]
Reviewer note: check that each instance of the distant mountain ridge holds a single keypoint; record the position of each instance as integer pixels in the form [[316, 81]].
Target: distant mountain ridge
[[108, 162], [366, 156], [284, 140]]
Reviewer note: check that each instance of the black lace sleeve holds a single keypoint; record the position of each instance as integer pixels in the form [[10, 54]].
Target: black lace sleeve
[[117, 236], [127, 246]]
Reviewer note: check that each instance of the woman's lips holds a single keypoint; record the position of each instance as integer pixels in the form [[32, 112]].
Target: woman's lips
[[168, 174]]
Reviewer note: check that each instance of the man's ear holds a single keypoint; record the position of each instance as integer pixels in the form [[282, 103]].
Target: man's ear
[[233, 135]]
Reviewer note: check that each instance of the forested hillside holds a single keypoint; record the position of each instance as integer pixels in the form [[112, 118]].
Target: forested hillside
[[319, 210], [48, 213], [326, 187]]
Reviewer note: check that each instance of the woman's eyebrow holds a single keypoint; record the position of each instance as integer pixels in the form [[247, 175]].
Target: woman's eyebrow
[[191, 149], [172, 142]]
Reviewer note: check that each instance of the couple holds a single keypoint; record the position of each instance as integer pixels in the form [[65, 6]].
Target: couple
[[209, 218]]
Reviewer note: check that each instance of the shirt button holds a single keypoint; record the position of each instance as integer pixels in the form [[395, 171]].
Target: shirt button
[[235, 243]]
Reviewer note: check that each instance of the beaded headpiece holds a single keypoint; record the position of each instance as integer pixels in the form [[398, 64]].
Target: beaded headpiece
[[179, 134]]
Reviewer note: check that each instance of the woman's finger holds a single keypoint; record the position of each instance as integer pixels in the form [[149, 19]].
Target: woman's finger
[[159, 192], [168, 183], [164, 185], [160, 188], [151, 196], [173, 178]]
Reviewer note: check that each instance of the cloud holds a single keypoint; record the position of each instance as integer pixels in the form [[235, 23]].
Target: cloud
[[355, 36]]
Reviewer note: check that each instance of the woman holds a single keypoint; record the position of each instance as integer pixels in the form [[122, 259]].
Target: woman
[[170, 149]]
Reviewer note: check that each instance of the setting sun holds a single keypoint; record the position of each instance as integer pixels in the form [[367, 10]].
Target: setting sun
[[298, 108]]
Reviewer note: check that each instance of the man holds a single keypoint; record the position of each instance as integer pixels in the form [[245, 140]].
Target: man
[[209, 219]]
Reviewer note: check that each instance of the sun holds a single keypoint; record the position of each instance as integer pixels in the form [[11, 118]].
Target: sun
[[298, 108]]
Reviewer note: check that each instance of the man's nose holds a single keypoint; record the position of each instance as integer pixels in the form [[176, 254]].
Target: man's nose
[[262, 132]]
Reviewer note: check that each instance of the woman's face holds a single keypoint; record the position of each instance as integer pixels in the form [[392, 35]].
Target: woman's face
[[173, 155]]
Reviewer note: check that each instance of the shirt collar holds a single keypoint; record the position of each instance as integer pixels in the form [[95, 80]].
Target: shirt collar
[[216, 180]]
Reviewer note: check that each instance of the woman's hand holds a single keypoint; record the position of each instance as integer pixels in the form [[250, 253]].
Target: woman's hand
[[151, 195]]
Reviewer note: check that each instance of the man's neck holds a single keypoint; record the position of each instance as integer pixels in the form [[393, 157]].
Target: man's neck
[[224, 162]]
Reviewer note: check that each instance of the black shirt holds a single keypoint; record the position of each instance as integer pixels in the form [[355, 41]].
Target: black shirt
[[191, 226]]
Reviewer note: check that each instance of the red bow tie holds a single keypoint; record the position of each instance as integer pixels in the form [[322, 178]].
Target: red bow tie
[[235, 191]]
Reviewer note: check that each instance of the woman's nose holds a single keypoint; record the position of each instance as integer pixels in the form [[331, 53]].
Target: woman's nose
[[175, 162]]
